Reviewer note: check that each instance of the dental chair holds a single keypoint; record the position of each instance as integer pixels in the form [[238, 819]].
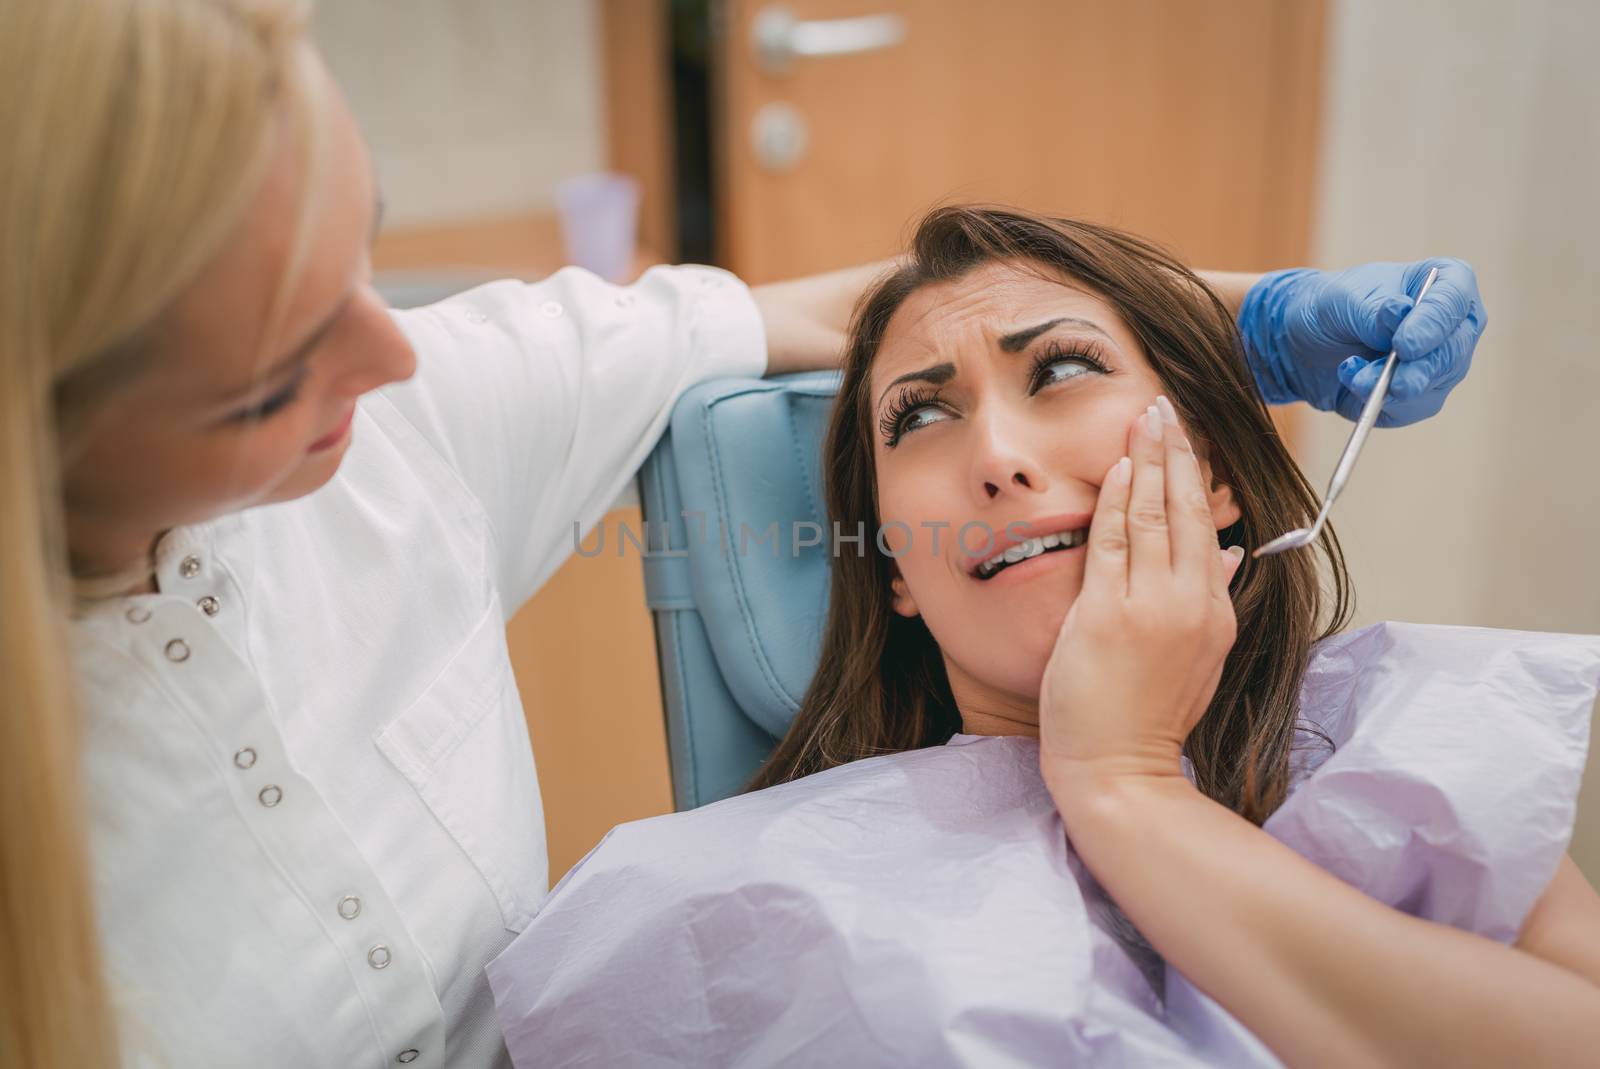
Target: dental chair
[[736, 571]]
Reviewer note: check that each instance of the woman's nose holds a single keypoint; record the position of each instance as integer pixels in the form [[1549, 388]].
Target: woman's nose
[[379, 353], [1003, 465]]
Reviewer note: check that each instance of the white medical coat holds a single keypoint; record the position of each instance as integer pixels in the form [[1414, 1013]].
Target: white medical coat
[[314, 811]]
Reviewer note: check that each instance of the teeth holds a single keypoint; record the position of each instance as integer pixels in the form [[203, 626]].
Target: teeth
[[1031, 548]]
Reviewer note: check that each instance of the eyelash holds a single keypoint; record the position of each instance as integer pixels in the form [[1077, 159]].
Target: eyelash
[[892, 424], [1085, 352], [274, 404]]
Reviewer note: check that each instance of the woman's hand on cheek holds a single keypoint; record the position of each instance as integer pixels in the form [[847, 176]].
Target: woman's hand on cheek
[[1141, 650]]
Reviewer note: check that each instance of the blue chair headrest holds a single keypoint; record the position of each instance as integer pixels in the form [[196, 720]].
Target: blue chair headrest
[[738, 484]]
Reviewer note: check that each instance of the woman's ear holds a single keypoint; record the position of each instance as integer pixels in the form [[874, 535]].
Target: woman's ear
[[900, 597], [1225, 511]]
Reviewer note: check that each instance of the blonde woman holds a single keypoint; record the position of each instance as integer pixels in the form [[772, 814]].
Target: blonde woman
[[268, 796]]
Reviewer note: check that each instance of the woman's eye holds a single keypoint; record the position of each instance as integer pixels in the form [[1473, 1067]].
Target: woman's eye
[[912, 411], [1062, 369], [271, 406], [1052, 368], [921, 417]]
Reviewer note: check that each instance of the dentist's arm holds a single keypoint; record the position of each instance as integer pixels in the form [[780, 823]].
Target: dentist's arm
[[1231, 286], [807, 318]]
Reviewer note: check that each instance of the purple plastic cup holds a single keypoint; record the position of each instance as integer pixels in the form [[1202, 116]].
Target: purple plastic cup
[[599, 222]]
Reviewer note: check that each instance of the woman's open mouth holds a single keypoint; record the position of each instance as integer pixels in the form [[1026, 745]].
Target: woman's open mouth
[[1029, 549]]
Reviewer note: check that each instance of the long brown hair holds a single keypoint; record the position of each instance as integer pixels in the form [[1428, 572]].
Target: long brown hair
[[881, 687]]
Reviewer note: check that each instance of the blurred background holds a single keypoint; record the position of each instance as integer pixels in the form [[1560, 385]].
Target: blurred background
[[1247, 134]]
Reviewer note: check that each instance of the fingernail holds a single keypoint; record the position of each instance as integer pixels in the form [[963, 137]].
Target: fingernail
[[1152, 423], [1168, 413], [1236, 552], [1121, 470]]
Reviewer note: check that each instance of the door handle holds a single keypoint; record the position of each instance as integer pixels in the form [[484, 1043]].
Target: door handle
[[779, 37]]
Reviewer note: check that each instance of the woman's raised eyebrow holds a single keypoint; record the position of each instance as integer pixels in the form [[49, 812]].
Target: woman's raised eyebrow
[[938, 374], [1016, 341]]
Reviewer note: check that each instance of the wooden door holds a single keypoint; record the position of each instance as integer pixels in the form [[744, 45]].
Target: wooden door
[[1192, 122]]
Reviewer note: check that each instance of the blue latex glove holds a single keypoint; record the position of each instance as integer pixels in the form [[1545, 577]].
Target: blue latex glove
[[1321, 336]]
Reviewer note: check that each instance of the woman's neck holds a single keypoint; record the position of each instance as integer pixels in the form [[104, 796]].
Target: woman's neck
[[986, 710], [99, 550], [981, 722]]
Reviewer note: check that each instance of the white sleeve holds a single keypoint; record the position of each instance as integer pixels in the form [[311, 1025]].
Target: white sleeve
[[546, 397]]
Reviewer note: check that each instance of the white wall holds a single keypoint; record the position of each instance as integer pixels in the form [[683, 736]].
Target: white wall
[[1472, 128], [472, 108]]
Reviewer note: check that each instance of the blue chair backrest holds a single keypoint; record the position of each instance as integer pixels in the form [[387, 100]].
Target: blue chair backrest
[[737, 571]]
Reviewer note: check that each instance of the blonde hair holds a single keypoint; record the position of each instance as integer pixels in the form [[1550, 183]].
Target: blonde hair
[[134, 133]]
